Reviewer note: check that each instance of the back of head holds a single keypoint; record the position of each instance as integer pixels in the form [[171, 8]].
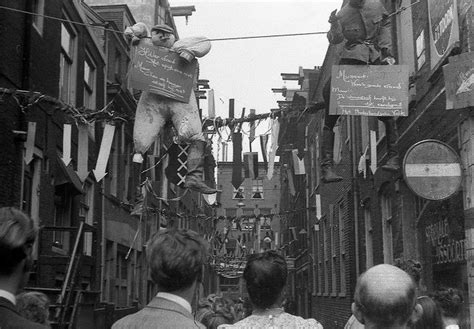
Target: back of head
[[385, 296], [176, 259], [17, 235], [431, 315], [450, 301], [221, 312], [265, 275], [33, 306]]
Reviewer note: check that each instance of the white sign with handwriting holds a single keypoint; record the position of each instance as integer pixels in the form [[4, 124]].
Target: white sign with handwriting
[[369, 90]]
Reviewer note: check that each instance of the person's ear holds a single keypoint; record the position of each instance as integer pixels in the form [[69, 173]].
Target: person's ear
[[357, 313], [417, 313]]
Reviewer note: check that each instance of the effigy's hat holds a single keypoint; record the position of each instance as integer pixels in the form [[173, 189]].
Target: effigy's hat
[[162, 27]]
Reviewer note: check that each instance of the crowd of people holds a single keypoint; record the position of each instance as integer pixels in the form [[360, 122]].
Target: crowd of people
[[386, 296]]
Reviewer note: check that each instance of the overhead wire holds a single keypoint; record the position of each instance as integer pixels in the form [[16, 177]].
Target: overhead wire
[[119, 32]]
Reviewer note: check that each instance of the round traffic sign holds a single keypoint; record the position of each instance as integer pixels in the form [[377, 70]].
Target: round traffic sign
[[432, 170]]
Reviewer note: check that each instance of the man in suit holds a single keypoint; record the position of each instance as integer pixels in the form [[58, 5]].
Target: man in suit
[[385, 297], [175, 259], [17, 236]]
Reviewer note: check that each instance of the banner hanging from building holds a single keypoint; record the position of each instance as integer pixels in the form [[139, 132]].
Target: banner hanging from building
[[444, 29], [459, 81], [369, 90]]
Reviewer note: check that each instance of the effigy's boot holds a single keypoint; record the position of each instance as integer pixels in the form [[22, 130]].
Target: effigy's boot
[[195, 164]]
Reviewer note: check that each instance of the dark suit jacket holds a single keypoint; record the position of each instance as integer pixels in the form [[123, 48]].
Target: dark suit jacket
[[160, 313], [11, 319]]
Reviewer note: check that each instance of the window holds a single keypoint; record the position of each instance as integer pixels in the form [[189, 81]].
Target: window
[[67, 65], [89, 84], [420, 50], [342, 250], [87, 213], [238, 193], [387, 228], [38, 19], [369, 253], [62, 218], [257, 189]]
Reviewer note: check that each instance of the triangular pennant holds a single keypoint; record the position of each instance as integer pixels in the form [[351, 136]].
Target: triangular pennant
[[263, 146], [210, 198], [251, 165], [291, 184], [237, 159], [298, 164], [273, 148]]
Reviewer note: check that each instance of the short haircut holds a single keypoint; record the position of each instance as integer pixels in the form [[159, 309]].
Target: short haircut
[[385, 311], [176, 258], [450, 301], [265, 275], [34, 306], [17, 235]]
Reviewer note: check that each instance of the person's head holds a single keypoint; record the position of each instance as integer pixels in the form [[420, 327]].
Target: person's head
[[34, 306], [431, 314], [385, 297], [265, 276], [450, 301], [162, 35], [17, 236], [176, 259]]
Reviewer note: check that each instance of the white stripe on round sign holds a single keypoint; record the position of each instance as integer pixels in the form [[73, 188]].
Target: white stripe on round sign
[[432, 169]]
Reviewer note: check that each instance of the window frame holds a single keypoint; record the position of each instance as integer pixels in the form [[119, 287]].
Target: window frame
[[68, 65]]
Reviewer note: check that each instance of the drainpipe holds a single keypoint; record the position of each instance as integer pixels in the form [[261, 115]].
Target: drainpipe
[[355, 192]]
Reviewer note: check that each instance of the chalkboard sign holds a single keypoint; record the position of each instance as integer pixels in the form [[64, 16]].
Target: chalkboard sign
[[161, 71], [369, 90]]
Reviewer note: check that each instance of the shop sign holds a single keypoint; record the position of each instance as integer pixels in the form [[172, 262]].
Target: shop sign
[[161, 71], [369, 90], [459, 81], [432, 170], [446, 249], [444, 28]]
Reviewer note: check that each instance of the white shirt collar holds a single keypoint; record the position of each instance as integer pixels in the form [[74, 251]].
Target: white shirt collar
[[8, 295], [177, 299]]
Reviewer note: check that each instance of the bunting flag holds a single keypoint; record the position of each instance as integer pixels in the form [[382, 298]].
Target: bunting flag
[[30, 142], [273, 148], [252, 128], [83, 152], [263, 146], [211, 107], [298, 164], [237, 158], [337, 143], [210, 198], [362, 167], [373, 151], [251, 165], [104, 152], [291, 184], [177, 169], [67, 133], [301, 138], [318, 207]]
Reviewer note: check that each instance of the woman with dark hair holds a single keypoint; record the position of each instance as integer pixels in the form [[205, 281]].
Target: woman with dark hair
[[450, 302], [265, 276], [431, 316]]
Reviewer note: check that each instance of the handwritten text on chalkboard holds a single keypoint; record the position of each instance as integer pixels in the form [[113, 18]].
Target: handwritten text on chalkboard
[[369, 90], [161, 71]]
